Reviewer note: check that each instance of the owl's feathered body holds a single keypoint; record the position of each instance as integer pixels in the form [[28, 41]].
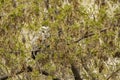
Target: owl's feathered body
[[39, 40]]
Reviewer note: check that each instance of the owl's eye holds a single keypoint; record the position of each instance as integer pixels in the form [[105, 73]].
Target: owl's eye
[[43, 31]]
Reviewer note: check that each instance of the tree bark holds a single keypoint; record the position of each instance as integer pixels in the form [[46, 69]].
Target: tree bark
[[75, 72]]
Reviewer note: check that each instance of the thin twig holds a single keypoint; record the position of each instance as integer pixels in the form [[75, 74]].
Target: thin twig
[[89, 35], [9, 76], [112, 74]]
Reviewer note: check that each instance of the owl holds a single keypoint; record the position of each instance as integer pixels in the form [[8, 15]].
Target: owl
[[39, 40]]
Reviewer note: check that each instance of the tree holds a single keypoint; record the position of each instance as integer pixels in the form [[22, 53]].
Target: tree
[[82, 42]]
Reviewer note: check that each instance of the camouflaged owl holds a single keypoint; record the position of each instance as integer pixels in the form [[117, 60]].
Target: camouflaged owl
[[39, 40]]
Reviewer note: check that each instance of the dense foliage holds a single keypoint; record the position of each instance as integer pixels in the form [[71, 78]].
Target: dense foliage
[[84, 40]]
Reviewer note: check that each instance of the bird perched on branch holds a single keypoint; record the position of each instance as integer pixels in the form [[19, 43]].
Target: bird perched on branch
[[39, 40]]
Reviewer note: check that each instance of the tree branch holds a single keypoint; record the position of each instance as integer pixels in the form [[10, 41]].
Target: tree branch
[[29, 69], [9, 76], [113, 74], [75, 72], [89, 35]]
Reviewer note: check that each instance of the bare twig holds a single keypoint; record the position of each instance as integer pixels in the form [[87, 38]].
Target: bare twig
[[9, 76], [89, 35], [112, 74]]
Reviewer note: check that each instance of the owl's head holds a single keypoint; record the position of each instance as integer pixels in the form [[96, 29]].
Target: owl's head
[[45, 32], [44, 29]]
